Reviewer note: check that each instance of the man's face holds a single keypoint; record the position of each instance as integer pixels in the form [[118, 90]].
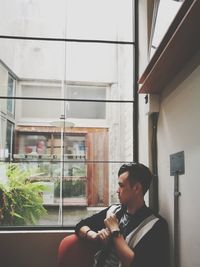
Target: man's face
[[125, 190]]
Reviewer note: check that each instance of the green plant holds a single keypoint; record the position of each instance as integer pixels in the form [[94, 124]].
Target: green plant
[[20, 199]]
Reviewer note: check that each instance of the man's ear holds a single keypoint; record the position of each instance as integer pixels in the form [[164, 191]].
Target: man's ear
[[137, 187]]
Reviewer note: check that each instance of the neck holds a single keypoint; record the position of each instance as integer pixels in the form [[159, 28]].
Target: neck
[[136, 205]]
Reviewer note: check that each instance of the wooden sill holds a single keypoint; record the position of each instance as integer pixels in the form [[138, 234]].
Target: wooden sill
[[73, 201], [180, 43]]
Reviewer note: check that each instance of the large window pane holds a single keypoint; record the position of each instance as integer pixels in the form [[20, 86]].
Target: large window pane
[[66, 108], [73, 163], [70, 70], [88, 19], [86, 110], [42, 61]]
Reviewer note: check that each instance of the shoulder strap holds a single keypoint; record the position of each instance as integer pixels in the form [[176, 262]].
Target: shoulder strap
[[113, 209], [144, 227]]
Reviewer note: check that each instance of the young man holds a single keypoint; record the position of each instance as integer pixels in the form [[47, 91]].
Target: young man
[[130, 234]]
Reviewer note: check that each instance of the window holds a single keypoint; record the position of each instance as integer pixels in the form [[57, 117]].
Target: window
[[11, 93], [3, 149], [9, 139], [6, 139], [89, 110], [73, 100]]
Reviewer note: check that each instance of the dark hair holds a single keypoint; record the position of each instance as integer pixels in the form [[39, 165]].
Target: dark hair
[[137, 173]]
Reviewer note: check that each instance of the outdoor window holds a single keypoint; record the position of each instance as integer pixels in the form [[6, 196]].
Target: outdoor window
[[9, 139], [3, 149], [11, 93], [6, 139], [84, 110], [68, 111]]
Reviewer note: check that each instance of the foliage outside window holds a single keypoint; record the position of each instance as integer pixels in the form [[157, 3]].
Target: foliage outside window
[[20, 200]]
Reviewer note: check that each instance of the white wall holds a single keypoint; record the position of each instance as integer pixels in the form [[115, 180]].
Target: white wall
[[179, 130]]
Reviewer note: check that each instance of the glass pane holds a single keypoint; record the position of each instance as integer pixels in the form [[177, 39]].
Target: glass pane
[[69, 125], [3, 146], [75, 70], [11, 93], [80, 196], [6, 139], [34, 60], [101, 19], [101, 191], [88, 19], [107, 65], [87, 110], [33, 18], [73, 164], [91, 110], [9, 139], [38, 133], [166, 12]]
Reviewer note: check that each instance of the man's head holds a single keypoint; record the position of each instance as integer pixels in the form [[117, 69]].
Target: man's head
[[137, 173]]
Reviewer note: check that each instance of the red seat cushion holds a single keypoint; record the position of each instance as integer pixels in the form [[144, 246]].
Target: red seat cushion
[[75, 252]]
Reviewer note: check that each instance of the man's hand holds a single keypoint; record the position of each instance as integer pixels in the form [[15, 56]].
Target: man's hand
[[86, 233], [104, 235], [92, 235], [111, 223]]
